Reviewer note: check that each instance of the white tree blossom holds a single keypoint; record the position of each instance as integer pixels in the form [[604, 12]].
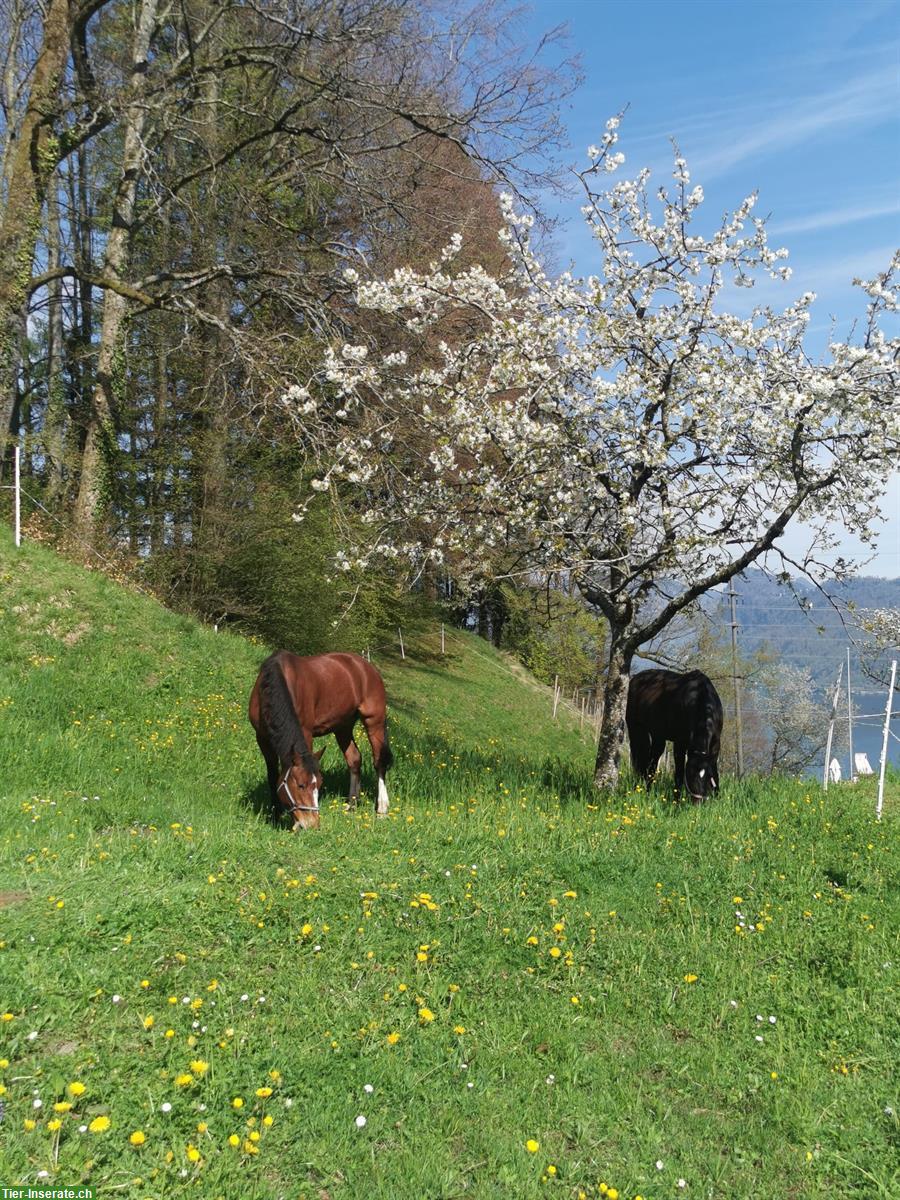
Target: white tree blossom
[[625, 429], [881, 641]]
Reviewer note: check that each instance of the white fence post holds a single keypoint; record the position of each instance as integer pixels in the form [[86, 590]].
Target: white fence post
[[402, 650], [834, 705], [17, 485], [852, 775], [884, 743]]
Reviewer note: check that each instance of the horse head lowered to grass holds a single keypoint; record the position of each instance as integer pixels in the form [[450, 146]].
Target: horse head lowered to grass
[[665, 706], [298, 698]]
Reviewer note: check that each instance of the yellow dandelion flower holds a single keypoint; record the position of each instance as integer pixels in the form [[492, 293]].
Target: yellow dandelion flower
[[28, 1124], [689, 978], [170, 1033], [99, 1125], [237, 1102], [137, 1138], [7, 1016], [62, 1106], [393, 1038], [532, 1146], [532, 941], [426, 1015], [76, 1089], [459, 1029], [268, 1120], [264, 1092], [254, 1136], [233, 1140], [148, 1022], [145, 983], [555, 952], [55, 1124], [275, 1076], [199, 1066], [250, 1148], [193, 1153], [202, 1127], [550, 1169], [306, 930], [184, 1080]]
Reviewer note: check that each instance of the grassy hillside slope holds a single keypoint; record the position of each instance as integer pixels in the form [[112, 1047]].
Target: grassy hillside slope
[[522, 988]]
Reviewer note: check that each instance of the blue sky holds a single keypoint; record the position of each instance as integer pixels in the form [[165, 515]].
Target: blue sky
[[798, 100]]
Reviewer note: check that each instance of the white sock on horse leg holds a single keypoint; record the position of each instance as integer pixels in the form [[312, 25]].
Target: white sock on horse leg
[[382, 805]]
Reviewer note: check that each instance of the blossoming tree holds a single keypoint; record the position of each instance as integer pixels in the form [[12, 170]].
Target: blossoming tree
[[625, 429], [881, 633]]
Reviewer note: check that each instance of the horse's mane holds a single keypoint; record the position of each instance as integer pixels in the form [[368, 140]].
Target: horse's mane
[[282, 725]]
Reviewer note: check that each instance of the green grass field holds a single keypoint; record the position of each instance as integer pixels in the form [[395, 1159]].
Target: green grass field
[[511, 987]]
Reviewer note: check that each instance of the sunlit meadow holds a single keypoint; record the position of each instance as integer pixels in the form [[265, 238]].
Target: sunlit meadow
[[509, 987]]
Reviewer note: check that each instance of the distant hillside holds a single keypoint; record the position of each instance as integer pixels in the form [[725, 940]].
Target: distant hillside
[[812, 636]]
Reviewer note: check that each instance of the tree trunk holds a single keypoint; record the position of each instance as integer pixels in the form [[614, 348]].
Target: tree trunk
[[55, 417], [100, 443], [615, 699], [82, 320], [32, 161]]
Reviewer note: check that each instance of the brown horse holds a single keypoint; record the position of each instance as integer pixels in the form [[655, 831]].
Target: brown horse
[[296, 699]]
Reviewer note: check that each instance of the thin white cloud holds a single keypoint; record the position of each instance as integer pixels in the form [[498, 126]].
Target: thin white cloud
[[833, 217], [868, 98]]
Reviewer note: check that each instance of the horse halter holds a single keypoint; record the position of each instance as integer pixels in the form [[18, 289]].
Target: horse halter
[[314, 807]]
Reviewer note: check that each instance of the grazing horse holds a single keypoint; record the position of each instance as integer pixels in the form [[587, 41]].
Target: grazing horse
[[296, 699], [664, 706]]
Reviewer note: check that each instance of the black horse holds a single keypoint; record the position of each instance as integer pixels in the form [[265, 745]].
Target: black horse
[[664, 706]]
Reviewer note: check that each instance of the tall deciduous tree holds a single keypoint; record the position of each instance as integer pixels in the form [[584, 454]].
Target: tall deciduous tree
[[625, 428], [31, 158]]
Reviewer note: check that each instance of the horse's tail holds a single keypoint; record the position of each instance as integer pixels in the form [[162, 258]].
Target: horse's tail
[[279, 713]]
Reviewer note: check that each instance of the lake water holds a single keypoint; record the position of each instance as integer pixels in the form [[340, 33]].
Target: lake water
[[867, 735]]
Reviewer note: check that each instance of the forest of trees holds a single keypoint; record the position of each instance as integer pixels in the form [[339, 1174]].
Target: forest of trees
[[183, 187]]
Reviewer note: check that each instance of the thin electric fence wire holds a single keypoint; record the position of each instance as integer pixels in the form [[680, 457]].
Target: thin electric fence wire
[[108, 562]]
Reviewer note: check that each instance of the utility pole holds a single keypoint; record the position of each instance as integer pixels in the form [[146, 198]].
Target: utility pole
[[738, 728]]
